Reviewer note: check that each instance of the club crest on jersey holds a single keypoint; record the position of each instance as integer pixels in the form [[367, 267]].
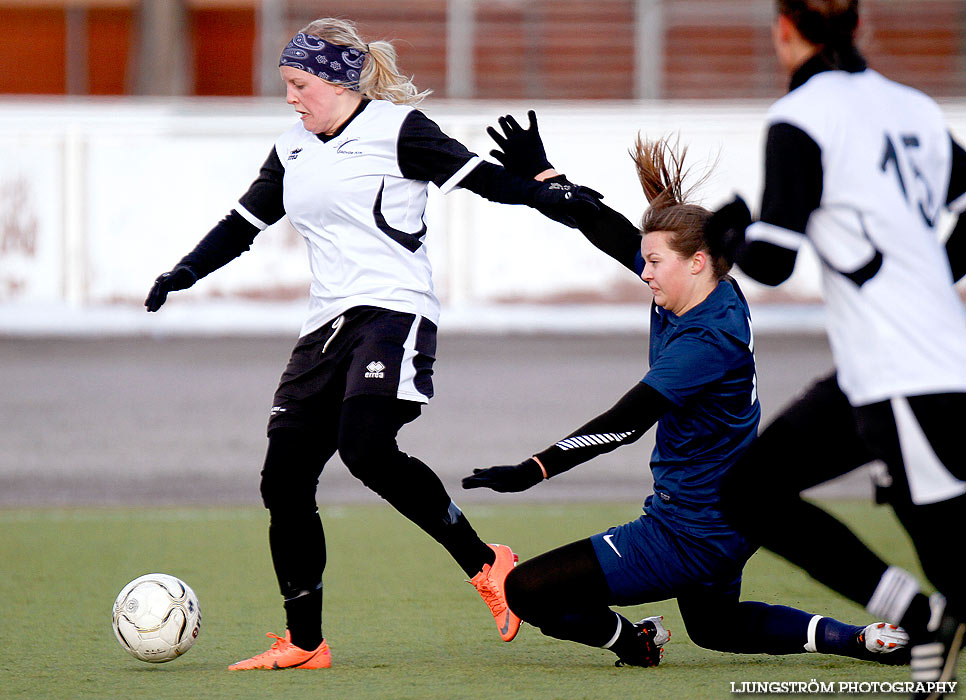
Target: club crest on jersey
[[374, 370], [294, 153]]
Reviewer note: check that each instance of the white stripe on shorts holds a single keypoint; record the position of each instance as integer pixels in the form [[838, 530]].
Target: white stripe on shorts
[[407, 370], [929, 480]]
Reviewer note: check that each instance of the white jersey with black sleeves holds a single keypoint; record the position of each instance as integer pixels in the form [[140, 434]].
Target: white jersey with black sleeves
[[359, 200], [896, 325]]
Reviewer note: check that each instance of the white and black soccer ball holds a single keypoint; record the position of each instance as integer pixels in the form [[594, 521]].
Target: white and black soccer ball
[[157, 617]]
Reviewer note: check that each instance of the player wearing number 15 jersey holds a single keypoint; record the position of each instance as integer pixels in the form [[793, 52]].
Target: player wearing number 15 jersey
[[862, 167]]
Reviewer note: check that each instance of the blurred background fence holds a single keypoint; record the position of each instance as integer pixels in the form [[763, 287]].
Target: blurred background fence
[[128, 128]]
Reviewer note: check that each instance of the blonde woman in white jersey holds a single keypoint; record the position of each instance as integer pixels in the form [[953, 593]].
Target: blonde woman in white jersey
[[861, 167], [352, 176]]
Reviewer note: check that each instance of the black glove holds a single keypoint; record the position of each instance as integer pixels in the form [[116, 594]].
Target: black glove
[[508, 479], [181, 277], [725, 230], [522, 149], [564, 201]]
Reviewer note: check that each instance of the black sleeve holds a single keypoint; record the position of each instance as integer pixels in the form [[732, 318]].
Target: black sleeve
[[264, 196], [957, 176], [612, 233], [426, 153], [234, 234], [497, 184], [956, 249], [230, 237], [956, 243], [793, 178], [793, 190], [622, 424]]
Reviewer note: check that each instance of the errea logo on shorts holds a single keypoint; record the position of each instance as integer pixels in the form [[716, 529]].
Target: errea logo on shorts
[[374, 370]]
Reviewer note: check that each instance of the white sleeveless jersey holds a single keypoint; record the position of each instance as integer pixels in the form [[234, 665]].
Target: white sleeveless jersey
[[886, 158], [361, 219]]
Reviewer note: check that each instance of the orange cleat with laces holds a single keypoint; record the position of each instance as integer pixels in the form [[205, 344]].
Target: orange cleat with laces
[[489, 584], [283, 654]]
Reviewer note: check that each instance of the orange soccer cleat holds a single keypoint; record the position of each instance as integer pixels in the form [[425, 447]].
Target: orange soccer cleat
[[489, 584], [283, 654]]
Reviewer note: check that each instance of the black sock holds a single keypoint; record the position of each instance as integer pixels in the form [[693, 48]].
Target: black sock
[[303, 614], [834, 637], [465, 546], [916, 617], [628, 642]]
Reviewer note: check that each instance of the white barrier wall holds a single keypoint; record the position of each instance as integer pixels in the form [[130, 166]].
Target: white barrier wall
[[97, 197]]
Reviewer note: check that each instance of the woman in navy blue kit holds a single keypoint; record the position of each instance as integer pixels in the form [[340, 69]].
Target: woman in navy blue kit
[[700, 391]]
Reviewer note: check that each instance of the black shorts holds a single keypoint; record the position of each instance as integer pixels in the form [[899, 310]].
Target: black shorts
[[917, 437], [366, 351]]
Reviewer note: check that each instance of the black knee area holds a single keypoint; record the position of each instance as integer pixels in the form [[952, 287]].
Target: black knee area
[[367, 438], [521, 596], [367, 456], [291, 472], [706, 620], [708, 634], [543, 590]]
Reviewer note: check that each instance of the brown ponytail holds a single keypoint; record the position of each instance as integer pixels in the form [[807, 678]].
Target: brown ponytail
[[660, 168]]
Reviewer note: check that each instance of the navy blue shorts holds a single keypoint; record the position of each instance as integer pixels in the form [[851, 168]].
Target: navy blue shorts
[[366, 351], [646, 560]]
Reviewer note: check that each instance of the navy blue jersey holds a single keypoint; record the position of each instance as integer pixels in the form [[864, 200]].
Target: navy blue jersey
[[703, 363]]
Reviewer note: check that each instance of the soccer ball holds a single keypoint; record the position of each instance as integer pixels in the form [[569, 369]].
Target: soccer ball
[[157, 617]]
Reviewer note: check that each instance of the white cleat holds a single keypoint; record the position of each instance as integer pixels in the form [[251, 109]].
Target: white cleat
[[883, 638], [661, 634]]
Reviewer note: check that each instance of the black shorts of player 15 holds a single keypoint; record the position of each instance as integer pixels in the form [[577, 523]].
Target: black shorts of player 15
[[365, 351]]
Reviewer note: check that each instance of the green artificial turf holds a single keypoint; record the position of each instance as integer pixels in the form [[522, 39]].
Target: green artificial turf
[[399, 618]]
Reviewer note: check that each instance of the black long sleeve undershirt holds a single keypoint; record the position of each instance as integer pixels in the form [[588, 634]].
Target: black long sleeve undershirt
[[426, 153], [612, 233], [230, 237], [623, 423], [497, 184], [793, 190]]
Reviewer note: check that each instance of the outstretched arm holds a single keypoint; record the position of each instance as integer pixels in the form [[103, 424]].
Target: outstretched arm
[[625, 422], [426, 153], [522, 152], [766, 250], [257, 209]]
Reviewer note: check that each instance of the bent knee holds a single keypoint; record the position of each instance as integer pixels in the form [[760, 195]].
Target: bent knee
[[523, 598], [713, 637]]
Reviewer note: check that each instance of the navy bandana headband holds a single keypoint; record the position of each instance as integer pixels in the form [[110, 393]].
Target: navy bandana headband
[[332, 63]]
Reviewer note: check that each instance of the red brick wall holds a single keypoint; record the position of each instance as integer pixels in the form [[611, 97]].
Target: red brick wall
[[33, 40], [223, 47], [109, 32], [523, 49], [561, 50], [32, 51]]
